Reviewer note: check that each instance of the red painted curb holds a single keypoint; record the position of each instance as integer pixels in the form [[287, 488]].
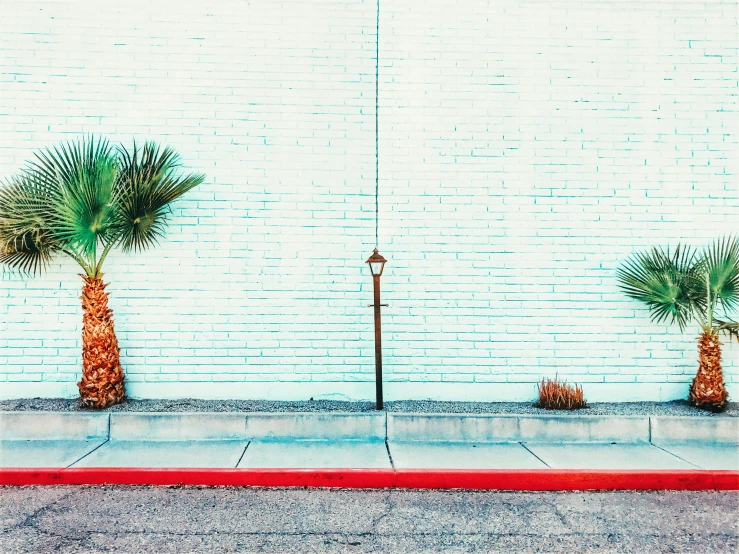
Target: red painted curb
[[342, 478], [472, 479], [554, 479]]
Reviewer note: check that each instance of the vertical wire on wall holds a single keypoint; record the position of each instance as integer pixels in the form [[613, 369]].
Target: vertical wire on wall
[[377, 127]]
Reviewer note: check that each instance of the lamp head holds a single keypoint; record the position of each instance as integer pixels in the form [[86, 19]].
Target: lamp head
[[376, 263]]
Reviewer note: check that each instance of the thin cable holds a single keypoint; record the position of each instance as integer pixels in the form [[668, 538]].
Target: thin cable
[[377, 127]]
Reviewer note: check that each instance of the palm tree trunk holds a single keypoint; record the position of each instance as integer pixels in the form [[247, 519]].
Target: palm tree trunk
[[708, 390], [102, 375]]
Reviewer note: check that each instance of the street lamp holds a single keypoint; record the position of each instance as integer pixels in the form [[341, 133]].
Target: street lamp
[[377, 264]]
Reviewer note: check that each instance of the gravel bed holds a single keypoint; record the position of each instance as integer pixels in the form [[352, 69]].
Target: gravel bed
[[674, 408]]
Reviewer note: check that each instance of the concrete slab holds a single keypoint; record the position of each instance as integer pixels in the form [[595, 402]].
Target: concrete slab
[[316, 426], [53, 426], [706, 456], [699, 429], [462, 455], [44, 453], [235, 426], [451, 428], [316, 454], [177, 426], [174, 454], [496, 428], [606, 456], [581, 428]]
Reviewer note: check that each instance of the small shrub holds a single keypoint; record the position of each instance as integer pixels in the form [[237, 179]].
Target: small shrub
[[558, 395]]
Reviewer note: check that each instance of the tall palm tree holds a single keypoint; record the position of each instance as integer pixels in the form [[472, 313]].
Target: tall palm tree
[[688, 286], [83, 199]]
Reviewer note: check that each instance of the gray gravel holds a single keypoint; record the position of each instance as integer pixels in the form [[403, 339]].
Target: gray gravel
[[178, 520], [675, 408]]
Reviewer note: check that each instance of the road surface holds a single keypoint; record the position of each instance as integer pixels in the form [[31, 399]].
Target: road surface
[[196, 519]]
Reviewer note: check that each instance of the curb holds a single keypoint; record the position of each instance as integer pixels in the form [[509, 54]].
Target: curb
[[361, 426], [518, 480]]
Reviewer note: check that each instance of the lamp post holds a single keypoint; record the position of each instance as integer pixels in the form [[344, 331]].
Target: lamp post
[[377, 264]]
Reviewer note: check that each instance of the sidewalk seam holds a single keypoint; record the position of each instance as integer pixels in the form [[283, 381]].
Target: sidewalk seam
[[534, 455], [387, 444], [389, 455], [106, 441], [242, 454], [676, 456]]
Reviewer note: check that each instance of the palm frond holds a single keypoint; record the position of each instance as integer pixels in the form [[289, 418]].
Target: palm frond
[[149, 181], [75, 195], [78, 177], [729, 327], [664, 281], [26, 241], [721, 262]]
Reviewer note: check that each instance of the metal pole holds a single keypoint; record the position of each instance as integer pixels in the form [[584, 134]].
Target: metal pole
[[378, 343]]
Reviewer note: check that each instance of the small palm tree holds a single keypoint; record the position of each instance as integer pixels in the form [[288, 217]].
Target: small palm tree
[[83, 199], [688, 286]]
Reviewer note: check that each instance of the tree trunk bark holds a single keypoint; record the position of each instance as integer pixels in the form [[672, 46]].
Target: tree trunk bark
[[708, 390], [102, 375]]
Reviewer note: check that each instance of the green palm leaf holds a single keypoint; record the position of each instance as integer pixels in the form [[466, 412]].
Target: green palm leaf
[[77, 195], [26, 241], [666, 282], [149, 181], [78, 178], [721, 262]]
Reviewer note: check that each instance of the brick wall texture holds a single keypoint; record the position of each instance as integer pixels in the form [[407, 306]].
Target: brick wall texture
[[526, 148]]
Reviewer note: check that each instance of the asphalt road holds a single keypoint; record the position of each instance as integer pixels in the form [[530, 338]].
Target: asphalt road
[[195, 519]]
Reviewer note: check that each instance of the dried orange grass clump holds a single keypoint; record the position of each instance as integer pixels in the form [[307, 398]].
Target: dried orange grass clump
[[558, 395]]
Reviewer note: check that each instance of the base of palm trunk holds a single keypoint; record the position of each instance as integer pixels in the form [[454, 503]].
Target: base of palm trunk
[[102, 375], [708, 390]]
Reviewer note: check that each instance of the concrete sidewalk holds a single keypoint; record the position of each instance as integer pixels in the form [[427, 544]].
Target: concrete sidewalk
[[366, 440]]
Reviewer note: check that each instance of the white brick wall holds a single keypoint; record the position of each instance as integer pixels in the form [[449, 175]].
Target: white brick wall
[[526, 148]]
